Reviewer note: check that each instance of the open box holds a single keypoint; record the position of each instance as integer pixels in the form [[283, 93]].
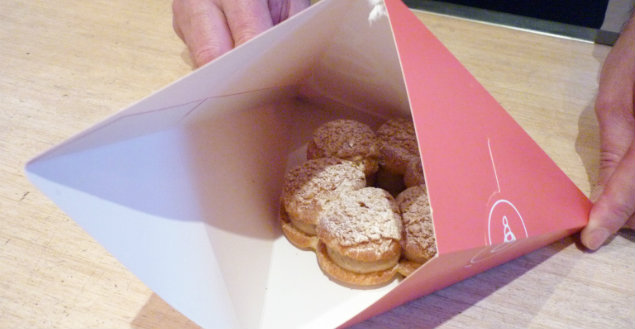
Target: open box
[[183, 186]]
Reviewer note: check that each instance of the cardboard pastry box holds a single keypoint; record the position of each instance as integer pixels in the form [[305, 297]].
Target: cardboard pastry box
[[183, 186]]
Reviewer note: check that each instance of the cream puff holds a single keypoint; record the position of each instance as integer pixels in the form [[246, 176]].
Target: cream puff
[[414, 173], [359, 234], [418, 242], [398, 144], [306, 190], [346, 139]]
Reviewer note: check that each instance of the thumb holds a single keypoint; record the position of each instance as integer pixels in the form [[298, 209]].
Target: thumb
[[615, 206]]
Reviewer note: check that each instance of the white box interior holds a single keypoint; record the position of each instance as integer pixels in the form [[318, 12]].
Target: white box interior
[[183, 187]]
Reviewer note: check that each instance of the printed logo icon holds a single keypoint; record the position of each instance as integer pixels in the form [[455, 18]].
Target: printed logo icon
[[509, 235], [504, 223]]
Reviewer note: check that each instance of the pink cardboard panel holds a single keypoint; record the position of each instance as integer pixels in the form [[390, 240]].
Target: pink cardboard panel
[[448, 269], [488, 181]]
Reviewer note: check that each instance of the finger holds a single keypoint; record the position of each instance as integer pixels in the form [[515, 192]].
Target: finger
[[614, 108], [202, 26], [614, 111], [296, 6], [617, 127], [176, 8], [283, 9], [615, 206], [246, 18]]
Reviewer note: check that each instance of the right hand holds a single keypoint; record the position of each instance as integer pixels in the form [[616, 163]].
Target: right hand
[[614, 197]]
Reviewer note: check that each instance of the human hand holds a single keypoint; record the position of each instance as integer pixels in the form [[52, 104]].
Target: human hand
[[614, 197], [210, 28]]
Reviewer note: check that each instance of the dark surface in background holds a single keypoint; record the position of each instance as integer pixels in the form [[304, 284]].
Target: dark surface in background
[[587, 13], [579, 19]]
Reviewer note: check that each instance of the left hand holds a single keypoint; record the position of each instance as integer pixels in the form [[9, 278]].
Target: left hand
[[210, 28]]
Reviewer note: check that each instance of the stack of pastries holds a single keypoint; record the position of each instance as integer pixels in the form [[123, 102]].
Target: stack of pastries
[[360, 202]]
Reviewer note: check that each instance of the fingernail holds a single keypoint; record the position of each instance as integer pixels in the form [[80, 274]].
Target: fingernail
[[596, 238]]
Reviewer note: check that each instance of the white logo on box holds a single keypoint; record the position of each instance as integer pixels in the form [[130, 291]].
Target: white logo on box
[[504, 219], [504, 223]]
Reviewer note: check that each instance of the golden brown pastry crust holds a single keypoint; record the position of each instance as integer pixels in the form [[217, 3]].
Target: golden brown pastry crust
[[362, 236], [363, 224], [407, 267], [309, 186], [297, 237], [346, 139], [414, 173], [343, 276], [363, 229], [418, 241], [398, 144]]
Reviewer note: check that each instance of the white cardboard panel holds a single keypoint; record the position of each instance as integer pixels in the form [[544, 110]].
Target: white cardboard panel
[[263, 64], [183, 186], [129, 198], [360, 66]]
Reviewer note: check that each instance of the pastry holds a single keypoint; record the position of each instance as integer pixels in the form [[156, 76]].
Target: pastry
[[418, 240], [346, 139], [307, 188], [398, 144], [414, 173], [359, 234], [362, 236], [398, 147]]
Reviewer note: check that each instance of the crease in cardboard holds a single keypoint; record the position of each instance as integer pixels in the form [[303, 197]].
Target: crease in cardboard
[[455, 117], [142, 242], [360, 67], [509, 218], [164, 179]]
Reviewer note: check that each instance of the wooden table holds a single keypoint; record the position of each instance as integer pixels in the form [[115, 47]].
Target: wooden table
[[67, 64]]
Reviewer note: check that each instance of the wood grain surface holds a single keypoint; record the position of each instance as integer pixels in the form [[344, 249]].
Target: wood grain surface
[[67, 64]]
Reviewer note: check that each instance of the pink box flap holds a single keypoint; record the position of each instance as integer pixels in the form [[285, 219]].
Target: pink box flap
[[488, 181]]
